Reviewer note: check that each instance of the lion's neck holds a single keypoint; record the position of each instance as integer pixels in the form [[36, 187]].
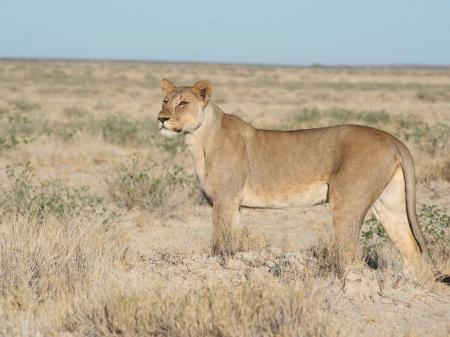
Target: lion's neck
[[199, 139], [211, 121]]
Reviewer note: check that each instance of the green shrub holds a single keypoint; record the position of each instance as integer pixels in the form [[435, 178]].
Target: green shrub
[[25, 106], [434, 223], [122, 130], [26, 196], [173, 145], [14, 130], [147, 185], [433, 139], [308, 115], [8, 142], [370, 117], [119, 130], [373, 237], [341, 115], [74, 112], [432, 95], [375, 117]]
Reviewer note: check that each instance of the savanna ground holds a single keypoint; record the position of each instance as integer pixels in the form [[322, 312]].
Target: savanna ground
[[103, 229]]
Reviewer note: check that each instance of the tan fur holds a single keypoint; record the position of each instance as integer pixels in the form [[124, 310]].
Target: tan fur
[[352, 167]]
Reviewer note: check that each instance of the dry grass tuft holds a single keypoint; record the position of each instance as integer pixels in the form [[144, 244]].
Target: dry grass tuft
[[257, 308], [69, 275], [45, 262], [246, 241], [326, 259]]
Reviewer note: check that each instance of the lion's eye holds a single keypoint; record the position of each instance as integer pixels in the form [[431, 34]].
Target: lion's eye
[[166, 100], [182, 103]]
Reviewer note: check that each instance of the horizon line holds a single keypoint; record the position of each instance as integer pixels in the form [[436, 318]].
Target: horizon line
[[199, 62]]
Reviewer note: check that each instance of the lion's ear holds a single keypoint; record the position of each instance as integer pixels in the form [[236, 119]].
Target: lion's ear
[[203, 90], [167, 86]]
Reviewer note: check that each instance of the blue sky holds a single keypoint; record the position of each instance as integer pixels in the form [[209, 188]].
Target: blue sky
[[273, 32]]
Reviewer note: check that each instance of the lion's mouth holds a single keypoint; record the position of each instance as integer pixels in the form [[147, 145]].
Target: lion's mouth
[[169, 132], [172, 130], [163, 128]]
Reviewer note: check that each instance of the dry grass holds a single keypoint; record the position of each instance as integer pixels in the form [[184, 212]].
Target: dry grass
[[256, 308], [104, 231], [85, 278], [46, 262]]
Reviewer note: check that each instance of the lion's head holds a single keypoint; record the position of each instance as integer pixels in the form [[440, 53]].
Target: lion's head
[[182, 108]]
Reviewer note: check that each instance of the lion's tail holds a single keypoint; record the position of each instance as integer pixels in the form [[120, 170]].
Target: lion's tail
[[407, 164]]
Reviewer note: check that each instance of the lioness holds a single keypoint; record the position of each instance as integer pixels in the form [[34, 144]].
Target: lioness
[[352, 167]]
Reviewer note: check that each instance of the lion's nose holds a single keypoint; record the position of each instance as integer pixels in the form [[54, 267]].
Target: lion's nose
[[163, 119]]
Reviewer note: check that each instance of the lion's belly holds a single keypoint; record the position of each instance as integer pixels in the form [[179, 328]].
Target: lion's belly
[[285, 197]]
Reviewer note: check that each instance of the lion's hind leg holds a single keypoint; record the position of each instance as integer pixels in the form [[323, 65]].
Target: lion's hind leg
[[390, 209], [352, 193], [349, 204]]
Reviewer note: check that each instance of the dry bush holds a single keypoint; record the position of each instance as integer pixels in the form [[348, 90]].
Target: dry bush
[[290, 267], [46, 261], [154, 187], [326, 259], [246, 241], [434, 169], [445, 170], [258, 308]]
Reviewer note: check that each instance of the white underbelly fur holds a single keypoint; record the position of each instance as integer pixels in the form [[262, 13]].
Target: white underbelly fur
[[313, 195]]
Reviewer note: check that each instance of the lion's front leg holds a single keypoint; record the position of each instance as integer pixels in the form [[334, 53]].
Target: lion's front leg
[[225, 175], [225, 215]]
